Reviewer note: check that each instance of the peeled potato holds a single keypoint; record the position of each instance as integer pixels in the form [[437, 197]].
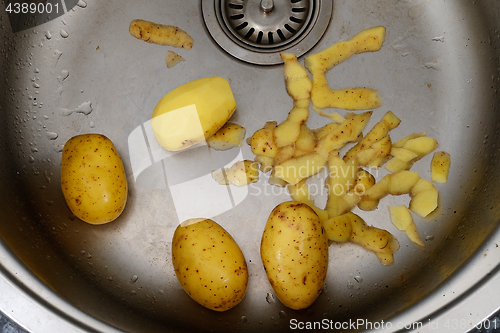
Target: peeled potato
[[192, 112]]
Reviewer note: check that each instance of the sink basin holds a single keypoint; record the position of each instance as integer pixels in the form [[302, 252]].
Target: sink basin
[[82, 72]]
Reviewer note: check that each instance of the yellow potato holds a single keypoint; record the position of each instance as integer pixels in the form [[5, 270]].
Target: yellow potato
[[294, 251], [160, 34], [209, 264], [93, 179], [440, 167], [228, 136], [192, 112]]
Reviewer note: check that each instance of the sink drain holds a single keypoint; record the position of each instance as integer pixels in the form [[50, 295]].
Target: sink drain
[[256, 31]]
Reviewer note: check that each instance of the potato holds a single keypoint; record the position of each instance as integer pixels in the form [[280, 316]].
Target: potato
[[402, 219], [93, 179], [228, 136], [160, 34], [294, 251], [209, 264], [192, 112], [295, 169], [440, 167], [172, 59], [240, 173]]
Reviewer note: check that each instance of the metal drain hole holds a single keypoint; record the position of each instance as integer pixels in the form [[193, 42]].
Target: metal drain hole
[[290, 17], [266, 26]]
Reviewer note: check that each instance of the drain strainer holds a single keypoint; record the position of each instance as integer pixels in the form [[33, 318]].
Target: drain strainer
[[256, 31]]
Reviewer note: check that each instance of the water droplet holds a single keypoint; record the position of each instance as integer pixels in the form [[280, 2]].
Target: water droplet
[[52, 135], [31, 159], [64, 75], [438, 39], [89, 256], [270, 298], [110, 278], [91, 124], [282, 314], [134, 278], [48, 35], [133, 292], [36, 85], [358, 279], [85, 108], [429, 237], [64, 33], [82, 4], [244, 319], [49, 202], [59, 148]]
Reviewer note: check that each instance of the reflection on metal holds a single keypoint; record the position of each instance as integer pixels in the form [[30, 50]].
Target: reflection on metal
[[186, 174]]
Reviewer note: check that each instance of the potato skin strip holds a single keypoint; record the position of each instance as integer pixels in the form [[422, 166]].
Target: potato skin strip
[[160, 34]]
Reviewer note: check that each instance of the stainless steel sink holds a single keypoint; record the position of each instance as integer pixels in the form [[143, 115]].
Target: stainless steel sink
[[81, 72]]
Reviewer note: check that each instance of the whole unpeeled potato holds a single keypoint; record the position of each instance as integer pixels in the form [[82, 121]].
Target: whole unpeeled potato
[[209, 264], [294, 251], [93, 179]]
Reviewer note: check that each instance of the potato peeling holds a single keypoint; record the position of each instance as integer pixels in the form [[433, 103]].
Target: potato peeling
[[292, 152]]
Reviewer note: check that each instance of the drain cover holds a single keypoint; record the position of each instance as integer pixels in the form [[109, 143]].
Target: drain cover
[[256, 31]]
